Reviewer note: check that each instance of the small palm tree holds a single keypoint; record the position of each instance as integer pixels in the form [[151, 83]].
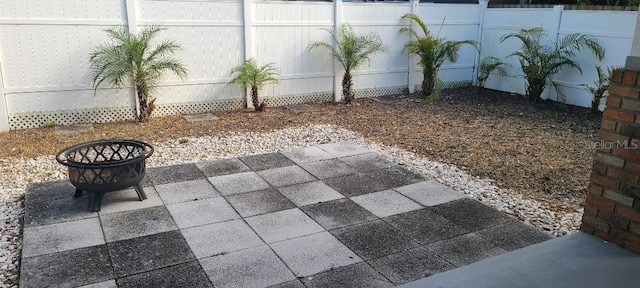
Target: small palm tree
[[433, 51], [352, 51], [250, 73], [133, 58], [540, 59], [600, 86], [487, 66]]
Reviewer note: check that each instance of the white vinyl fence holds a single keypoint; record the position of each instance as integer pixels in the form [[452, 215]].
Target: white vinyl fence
[[44, 48]]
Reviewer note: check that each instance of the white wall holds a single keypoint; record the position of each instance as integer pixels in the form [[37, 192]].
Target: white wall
[[44, 48]]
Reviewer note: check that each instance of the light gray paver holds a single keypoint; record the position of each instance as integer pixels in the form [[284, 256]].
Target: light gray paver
[[200, 117], [105, 284], [220, 238], [285, 176], [127, 200], [136, 223], [310, 193], [186, 191], [60, 237], [201, 212], [386, 203], [328, 168], [307, 154], [282, 225], [259, 202], [315, 253], [429, 193], [343, 149], [238, 183], [255, 267]]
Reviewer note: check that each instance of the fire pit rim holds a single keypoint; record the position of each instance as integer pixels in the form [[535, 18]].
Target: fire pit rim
[[73, 164]]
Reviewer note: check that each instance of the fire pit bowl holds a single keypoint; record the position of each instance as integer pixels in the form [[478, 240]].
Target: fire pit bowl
[[104, 166]]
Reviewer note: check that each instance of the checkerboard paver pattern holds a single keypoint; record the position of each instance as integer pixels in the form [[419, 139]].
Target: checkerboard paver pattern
[[332, 215]]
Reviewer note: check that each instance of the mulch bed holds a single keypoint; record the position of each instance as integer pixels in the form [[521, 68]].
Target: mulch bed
[[536, 149]]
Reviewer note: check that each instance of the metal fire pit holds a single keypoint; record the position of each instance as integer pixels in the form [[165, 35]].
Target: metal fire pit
[[104, 166]]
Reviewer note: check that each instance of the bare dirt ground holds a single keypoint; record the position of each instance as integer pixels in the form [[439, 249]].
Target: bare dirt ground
[[534, 149]]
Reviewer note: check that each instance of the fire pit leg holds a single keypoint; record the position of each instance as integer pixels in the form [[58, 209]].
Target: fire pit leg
[[78, 193], [95, 200], [140, 192]]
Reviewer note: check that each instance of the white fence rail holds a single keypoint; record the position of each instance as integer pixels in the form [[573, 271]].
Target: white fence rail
[[44, 48]]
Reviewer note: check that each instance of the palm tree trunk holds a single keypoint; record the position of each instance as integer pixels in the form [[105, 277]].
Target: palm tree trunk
[[428, 83], [146, 106], [256, 101], [347, 84]]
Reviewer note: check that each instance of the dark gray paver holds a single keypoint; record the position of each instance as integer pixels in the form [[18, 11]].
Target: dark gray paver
[[354, 184], [188, 274], [310, 193], [343, 149], [131, 224], [70, 268], [328, 168], [104, 284], [282, 225], [238, 183], [127, 200], [576, 260], [513, 235], [298, 108], [259, 202], [73, 128], [373, 239], [175, 173], [367, 162], [313, 254], [48, 190], [425, 226], [186, 191], [357, 275], [266, 161], [307, 154], [222, 167], [338, 213], [429, 193], [39, 240], [464, 249], [471, 214], [410, 265], [147, 253], [200, 117], [255, 267], [285, 176], [201, 212], [395, 176], [43, 210], [386, 203], [290, 284], [220, 238]]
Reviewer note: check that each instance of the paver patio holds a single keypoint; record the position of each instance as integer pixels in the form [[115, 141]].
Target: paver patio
[[332, 215]]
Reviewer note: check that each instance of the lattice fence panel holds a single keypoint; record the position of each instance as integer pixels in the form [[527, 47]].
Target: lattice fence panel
[[382, 91], [300, 98], [67, 117], [449, 85], [197, 107]]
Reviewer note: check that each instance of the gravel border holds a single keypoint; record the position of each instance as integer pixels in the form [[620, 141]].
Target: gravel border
[[16, 174]]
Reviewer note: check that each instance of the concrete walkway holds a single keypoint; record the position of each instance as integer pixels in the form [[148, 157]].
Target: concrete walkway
[[333, 215]]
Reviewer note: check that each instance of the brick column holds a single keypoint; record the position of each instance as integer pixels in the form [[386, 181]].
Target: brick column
[[612, 208]]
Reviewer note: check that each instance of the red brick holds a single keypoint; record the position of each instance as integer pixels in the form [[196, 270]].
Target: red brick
[[594, 189], [614, 220], [630, 189], [625, 236], [618, 115], [599, 224], [632, 248], [631, 154], [612, 137], [623, 176], [634, 228], [628, 129], [608, 238], [632, 166], [624, 91], [591, 210], [599, 169], [599, 202], [627, 212], [614, 101], [608, 124], [630, 104], [630, 77], [605, 182], [616, 76], [609, 160], [586, 228]]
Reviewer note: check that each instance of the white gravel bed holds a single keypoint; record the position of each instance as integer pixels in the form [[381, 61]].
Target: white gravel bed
[[16, 174]]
